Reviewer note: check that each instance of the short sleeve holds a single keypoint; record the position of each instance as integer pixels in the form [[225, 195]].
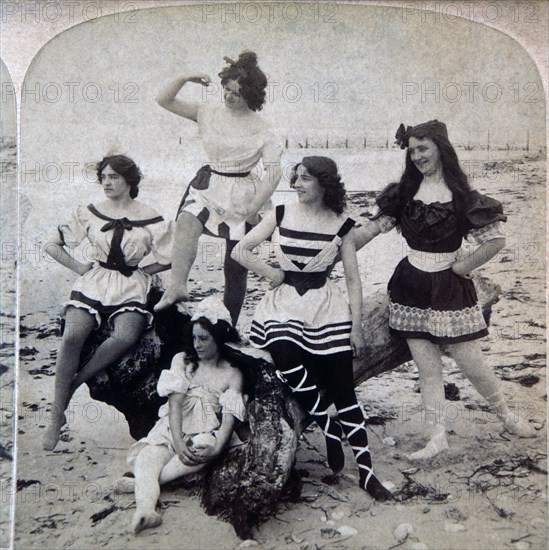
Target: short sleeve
[[346, 227], [481, 210], [174, 380], [487, 233], [271, 150], [233, 402], [162, 241], [389, 202], [75, 230]]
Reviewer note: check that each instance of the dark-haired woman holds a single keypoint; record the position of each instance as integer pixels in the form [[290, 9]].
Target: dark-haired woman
[[432, 299], [227, 193], [305, 322], [196, 425], [111, 287]]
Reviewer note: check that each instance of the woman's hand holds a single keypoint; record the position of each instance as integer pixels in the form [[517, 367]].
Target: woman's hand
[[82, 268], [203, 79], [358, 344], [277, 278], [458, 269]]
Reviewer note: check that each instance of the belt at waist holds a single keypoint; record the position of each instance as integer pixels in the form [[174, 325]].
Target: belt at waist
[[303, 282], [228, 174], [432, 262], [126, 270]]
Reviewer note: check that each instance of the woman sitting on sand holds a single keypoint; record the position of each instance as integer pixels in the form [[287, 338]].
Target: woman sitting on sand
[[225, 196], [196, 425], [305, 322], [111, 287], [432, 299]]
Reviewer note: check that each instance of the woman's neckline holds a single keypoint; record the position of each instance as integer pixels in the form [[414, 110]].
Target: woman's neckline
[[442, 203]]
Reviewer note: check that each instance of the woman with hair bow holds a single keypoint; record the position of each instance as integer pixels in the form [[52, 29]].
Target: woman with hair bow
[[226, 195], [196, 425], [432, 299]]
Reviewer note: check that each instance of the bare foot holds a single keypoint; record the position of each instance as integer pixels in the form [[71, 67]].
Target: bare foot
[[436, 445], [53, 431], [172, 296], [142, 520], [518, 427], [124, 485]]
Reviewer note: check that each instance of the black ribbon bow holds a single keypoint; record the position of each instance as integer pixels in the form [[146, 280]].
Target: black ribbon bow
[[116, 256]]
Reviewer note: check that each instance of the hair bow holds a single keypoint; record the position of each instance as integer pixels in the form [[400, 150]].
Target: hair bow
[[402, 135], [236, 65], [213, 309]]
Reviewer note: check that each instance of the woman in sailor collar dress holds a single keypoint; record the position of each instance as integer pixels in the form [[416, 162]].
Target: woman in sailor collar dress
[[112, 287]]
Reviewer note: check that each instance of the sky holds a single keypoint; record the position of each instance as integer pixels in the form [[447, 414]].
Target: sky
[[358, 71]]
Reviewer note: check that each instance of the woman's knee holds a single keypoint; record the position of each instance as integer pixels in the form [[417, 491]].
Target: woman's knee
[[128, 327]]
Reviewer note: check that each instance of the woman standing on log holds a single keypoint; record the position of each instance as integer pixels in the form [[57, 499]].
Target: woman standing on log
[[432, 299], [304, 321], [225, 196], [196, 425], [111, 287]]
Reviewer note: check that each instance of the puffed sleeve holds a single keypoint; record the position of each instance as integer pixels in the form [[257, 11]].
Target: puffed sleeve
[[174, 380], [481, 210], [162, 241], [483, 217], [75, 230], [388, 208], [233, 402], [272, 149]]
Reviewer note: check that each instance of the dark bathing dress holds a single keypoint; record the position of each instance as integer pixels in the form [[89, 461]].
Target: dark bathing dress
[[427, 299]]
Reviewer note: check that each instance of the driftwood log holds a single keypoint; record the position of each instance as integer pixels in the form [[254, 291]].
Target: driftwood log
[[245, 485]]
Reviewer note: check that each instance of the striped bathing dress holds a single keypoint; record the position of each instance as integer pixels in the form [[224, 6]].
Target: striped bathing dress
[[427, 300], [307, 309]]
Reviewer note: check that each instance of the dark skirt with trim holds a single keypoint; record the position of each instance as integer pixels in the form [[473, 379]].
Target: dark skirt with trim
[[441, 307]]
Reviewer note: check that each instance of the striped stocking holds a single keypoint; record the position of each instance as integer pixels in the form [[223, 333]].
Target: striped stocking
[[307, 395]]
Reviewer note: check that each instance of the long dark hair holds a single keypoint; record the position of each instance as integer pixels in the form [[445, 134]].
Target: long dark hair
[[324, 170], [124, 166], [250, 77], [222, 333], [454, 176]]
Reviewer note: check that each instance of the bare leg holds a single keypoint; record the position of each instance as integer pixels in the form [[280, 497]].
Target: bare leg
[[428, 359], [173, 470], [235, 283], [127, 329], [148, 465], [155, 464], [78, 325], [468, 356], [185, 246]]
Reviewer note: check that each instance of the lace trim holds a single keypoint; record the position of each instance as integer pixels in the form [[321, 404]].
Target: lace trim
[[487, 233], [438, 323]]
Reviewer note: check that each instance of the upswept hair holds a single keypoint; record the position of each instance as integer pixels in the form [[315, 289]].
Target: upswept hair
[[125, 167], [250, 77], [325, 171]]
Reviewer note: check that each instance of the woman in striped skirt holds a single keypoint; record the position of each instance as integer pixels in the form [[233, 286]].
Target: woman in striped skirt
[[304, 321]]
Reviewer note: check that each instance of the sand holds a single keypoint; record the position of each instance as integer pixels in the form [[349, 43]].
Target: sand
[[488, 491]]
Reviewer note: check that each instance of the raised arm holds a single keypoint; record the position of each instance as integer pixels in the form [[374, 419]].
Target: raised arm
[[166, 98], [368, 230], [245, 254], [354, 290]]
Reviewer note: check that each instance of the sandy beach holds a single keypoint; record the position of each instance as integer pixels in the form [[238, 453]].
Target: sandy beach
[[488, 491]]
